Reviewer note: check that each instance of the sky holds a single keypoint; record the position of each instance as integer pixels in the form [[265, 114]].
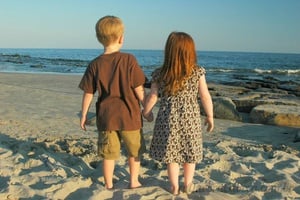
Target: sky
[[215, 25]]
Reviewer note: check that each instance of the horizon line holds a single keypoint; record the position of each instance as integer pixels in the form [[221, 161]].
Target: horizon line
[[141, 49]]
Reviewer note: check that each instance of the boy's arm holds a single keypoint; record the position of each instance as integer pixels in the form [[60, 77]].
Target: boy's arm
[[86, 102], [207, 103], [150, 101], [140, 93]]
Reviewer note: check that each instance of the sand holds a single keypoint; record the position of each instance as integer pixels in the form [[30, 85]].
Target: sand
[[45, 155]]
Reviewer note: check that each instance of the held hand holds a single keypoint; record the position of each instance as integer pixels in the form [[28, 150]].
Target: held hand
[[149, 117], [83, 122], [210, 124]]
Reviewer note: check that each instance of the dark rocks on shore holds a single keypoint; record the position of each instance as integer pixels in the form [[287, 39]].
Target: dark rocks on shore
[[264, 101], [269, 83], [37, 66]]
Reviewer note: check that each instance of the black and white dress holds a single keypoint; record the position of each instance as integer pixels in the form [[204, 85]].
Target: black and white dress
[[177, 135]]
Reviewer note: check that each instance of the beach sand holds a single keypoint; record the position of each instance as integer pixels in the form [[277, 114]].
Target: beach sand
[[45, 155]]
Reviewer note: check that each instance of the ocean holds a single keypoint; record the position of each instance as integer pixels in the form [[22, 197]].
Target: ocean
[[221, 67]]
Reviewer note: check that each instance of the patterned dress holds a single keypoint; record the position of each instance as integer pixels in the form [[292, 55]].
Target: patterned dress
[[177, 136]]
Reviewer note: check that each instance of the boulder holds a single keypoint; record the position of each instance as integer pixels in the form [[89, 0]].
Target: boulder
[[224, 108], [280, 115]]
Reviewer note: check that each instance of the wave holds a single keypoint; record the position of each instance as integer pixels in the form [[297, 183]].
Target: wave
[[221, 70], [278, 71], [255, 71]]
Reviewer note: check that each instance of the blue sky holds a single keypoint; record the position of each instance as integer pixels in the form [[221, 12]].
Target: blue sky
[[215, 25]]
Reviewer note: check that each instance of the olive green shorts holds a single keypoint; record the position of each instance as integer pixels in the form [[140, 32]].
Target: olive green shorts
[[109, 143]]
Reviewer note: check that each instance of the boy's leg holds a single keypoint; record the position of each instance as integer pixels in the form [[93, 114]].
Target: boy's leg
[[109, 149], [134, 167], [135, 146], [108, 172], [173, 174]]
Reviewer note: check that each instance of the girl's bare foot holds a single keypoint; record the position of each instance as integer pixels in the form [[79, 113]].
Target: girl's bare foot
[[109, 188], [135, 185], [189, 188]]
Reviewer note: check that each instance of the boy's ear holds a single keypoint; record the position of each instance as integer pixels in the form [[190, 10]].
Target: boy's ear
[[121, 39]]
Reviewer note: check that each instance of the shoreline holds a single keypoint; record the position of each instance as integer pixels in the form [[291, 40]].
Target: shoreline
[[41, 73], [44, 154]]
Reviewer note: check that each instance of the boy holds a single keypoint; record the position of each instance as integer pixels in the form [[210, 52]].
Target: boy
[[118, 79]]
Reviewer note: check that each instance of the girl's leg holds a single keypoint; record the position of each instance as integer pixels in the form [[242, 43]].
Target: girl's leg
[[188, 172], [108, 173], [134, 167], [173, 173]]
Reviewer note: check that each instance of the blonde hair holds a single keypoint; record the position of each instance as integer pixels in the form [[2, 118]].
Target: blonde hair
[[109, 29], [179, 61]]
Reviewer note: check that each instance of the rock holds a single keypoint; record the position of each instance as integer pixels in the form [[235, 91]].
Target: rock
[[224, 108], [274, 91], [37, 66], [280, 115], [147, 84], [247, 101], [246, 105], [293, 88], [297, 137], [226, 90]]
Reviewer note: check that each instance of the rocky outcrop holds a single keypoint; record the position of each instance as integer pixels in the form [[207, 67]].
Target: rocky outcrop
[[280, 115], [261, 101]]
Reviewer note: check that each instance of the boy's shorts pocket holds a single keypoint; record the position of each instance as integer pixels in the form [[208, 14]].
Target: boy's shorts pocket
[[108, 145]]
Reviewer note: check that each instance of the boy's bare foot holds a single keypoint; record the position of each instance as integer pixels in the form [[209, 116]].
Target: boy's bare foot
[[175, 190]]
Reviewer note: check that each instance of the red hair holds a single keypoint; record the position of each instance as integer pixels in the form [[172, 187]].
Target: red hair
[[179, 61]]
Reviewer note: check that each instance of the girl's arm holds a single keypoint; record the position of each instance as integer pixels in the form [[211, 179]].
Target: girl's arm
[[207, 103], [141, 95]]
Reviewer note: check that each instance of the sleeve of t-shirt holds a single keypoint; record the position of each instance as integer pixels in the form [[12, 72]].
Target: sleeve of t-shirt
[[87, 83], [137, 75]]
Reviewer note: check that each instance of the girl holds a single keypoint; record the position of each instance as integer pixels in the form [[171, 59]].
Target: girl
[[177, 136]]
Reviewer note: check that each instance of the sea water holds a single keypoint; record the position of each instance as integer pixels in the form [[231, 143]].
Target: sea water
[[220, 66]]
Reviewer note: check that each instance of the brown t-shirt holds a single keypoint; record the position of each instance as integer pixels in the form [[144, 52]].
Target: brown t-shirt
[[115, 76]]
